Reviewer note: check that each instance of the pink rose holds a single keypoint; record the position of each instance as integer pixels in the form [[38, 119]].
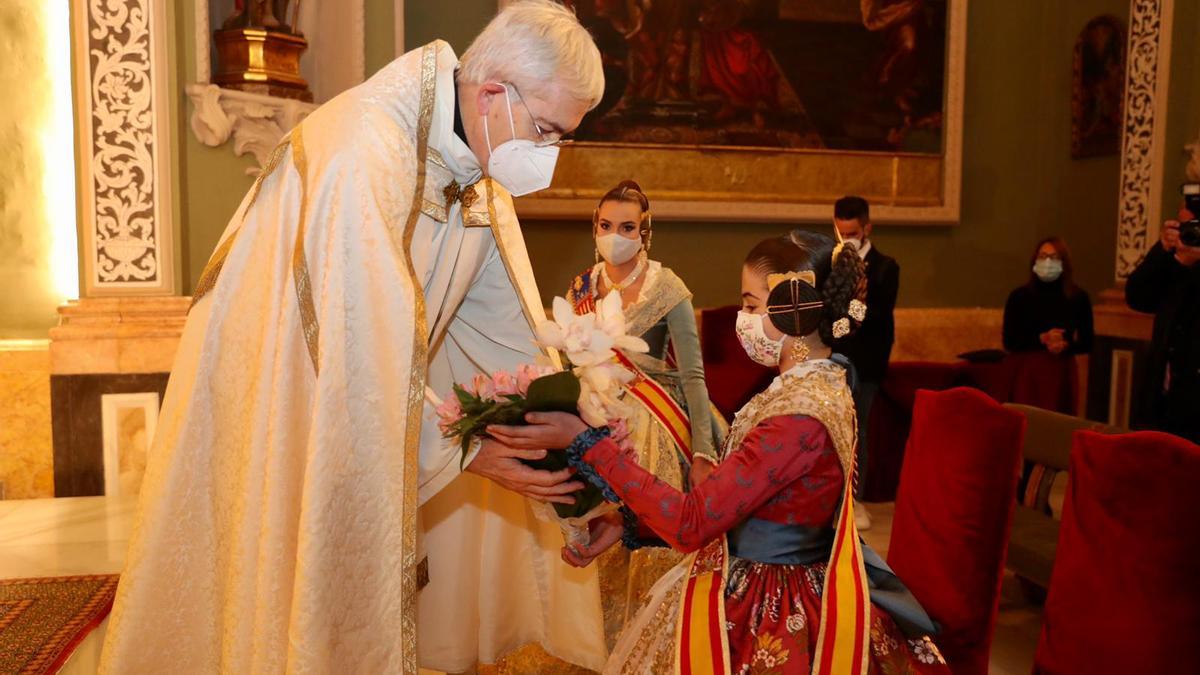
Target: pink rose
[[526, 374], [449, 412], [481, 386], [503, 384]]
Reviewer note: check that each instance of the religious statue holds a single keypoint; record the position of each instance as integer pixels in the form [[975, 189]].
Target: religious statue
[[270, 14], [259, 48]]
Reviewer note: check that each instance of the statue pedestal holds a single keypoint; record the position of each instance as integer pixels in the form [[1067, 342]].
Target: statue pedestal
[[1117, 368], [261, 62], [110, 359]]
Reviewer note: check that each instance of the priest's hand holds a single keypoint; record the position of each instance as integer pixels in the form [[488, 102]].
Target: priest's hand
[[605, 532], [502, 465], [543, 430]]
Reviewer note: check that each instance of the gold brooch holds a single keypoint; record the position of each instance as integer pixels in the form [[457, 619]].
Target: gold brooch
[[841, 327], [858, 310], [457, 193]]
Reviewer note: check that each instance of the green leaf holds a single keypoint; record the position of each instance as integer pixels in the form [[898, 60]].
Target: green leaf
[[558, 392]]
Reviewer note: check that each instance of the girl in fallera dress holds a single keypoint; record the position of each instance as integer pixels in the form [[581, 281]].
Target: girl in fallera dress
[[777, 580], [673, 427]]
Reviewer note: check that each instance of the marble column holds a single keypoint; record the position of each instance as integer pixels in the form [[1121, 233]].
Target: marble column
[[111, 353], [1116, 369]]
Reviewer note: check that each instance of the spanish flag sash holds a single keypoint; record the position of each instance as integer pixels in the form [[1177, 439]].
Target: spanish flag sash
[[701, 640], [844, 640], [661, 405]]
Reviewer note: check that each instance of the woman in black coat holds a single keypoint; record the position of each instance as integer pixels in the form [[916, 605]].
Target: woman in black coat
[[1049, 312]]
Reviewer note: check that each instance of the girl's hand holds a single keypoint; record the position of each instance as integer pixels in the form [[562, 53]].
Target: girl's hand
[[544, 431], [605, 531]]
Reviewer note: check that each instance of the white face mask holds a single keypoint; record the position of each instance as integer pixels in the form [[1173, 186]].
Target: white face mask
[[1048, 269], [617, 249], [520, 165], [854, 242], [759, 347]]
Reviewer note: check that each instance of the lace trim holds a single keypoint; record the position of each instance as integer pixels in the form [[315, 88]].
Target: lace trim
[[575, 452], [667, 291]]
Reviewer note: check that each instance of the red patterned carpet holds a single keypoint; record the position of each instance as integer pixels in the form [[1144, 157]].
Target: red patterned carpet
[[43, 620]]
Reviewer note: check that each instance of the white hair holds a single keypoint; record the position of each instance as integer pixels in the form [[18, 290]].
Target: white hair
[[537, 45]]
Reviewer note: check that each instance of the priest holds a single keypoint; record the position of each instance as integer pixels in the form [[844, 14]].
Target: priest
[[301, 512]]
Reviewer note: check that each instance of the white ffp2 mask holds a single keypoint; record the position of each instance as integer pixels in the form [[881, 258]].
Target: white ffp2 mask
[[520, 165], [617, 249]]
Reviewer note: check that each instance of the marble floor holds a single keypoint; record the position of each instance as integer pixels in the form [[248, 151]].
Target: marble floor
[[88, 535]]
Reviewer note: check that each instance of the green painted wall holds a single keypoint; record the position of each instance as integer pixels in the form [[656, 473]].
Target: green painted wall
[[1019, 180], [1183, 110]]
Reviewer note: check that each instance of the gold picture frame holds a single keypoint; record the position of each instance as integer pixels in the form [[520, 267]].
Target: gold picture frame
[[724, 183]]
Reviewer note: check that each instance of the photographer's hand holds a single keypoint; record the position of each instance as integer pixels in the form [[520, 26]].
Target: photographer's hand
[[1169, 237]]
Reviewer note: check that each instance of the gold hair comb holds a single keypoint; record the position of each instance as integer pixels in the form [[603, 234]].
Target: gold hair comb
[[807, 276]]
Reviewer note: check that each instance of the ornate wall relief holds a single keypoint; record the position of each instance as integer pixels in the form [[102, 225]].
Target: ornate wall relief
[[122, 108], [335, 61], [1143, 143]]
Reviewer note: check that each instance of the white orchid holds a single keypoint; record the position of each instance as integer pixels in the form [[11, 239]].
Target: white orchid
[[588, 340]]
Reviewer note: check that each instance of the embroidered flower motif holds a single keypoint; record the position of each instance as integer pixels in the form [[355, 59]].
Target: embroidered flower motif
[[796, 623], [881, 642], [925, 651], [769, 654]]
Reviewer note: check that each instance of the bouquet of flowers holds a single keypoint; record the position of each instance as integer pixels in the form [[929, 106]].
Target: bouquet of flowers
[[590, 386]]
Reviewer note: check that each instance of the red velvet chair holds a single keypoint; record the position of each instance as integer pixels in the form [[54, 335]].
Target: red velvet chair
[[953, 516], [732, 378], [891, 418], [1124, 595]]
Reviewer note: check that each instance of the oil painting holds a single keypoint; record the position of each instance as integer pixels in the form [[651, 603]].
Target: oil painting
[[775, 106]]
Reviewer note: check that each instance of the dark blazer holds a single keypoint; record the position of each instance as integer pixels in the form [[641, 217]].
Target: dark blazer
[[870, 347], [1162, 286]]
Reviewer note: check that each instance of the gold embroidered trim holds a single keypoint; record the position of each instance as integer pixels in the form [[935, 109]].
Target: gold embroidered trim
[[822, 394], [476, 219], [436, 157], [434, 210], [212, 270], [417, 367], [304, 294]]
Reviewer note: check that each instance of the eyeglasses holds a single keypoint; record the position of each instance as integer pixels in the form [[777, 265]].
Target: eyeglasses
[[545, 138]]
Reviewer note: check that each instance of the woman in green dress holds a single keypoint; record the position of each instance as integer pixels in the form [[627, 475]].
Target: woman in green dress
[[673, 427]]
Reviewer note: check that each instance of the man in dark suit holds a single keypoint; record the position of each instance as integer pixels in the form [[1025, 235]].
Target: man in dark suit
[[870, 347]]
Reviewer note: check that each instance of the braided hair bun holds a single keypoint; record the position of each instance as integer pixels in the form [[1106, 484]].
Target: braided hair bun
[[838, 282]]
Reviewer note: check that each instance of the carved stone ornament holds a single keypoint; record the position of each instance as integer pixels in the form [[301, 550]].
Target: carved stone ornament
[[254, 121], [1142, 145], [124, 134]]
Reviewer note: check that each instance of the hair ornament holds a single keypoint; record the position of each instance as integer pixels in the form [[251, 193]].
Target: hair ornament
[[857, 310], [807, 276], [841, 327]]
